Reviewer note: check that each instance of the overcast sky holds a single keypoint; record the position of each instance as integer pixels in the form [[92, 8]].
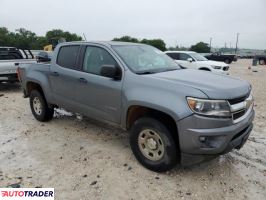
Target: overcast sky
[[177, 22]]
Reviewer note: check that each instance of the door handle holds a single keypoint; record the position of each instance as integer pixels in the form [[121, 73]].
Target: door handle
[[55, 74], [83, 80]]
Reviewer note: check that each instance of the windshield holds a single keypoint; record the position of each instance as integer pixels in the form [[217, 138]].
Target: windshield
[[145, 59], [198, 57]]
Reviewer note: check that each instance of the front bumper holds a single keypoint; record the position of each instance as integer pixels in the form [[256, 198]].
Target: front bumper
[[203, 138]]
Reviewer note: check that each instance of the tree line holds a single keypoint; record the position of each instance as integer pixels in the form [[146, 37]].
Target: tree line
[[200, 47], [25, 39]]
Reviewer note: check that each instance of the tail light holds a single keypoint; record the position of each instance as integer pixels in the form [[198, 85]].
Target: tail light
[[18, 74]]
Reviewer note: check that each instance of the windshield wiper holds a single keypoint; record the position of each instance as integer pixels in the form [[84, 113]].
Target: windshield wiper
[[145, 72], [170, 69]]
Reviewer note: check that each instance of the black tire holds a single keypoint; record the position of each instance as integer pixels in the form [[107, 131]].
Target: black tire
[[45, 113], [169, 157]]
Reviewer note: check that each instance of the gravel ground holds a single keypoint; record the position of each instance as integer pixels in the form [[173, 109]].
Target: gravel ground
[[85, 159]]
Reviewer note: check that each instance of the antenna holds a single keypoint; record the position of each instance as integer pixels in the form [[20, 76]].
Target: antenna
[[84, 36], [237, 35]]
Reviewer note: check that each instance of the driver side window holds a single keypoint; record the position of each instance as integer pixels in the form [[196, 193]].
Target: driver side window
[[184, 56], [95, 58]]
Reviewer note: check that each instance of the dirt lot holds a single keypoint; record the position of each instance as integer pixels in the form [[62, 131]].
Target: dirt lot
[[84, 159]]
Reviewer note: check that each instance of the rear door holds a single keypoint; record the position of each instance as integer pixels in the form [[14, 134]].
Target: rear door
[[64, 77]]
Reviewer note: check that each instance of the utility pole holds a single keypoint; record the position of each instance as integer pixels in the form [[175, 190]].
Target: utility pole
[[210, 44], [237, 35]]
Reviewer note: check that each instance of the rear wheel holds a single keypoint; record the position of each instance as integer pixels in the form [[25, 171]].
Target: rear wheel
[[39, 108], [153, 145]]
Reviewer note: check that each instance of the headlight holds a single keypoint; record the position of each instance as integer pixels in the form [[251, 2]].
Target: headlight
[[216, 67], [211, 108]]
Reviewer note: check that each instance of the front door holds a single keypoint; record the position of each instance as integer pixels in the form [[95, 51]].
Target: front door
[[99, 97], [184, 62]]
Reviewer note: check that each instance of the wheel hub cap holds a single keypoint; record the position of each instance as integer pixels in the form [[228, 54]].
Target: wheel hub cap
[[151, 144], [37, 106]]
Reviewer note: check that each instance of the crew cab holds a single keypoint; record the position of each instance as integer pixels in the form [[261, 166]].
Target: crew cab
[[173, 115], [193, 60], [9, 59]]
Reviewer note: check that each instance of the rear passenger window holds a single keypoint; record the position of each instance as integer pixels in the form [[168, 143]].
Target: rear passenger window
[[67, 56]]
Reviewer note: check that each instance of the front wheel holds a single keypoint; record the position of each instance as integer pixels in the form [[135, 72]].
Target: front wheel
[[39, 108], [153, 145]]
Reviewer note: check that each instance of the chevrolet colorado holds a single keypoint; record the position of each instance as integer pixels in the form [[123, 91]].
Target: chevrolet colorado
[[173, 114]]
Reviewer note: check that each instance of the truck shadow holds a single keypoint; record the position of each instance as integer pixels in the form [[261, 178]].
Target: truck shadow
[[101, 131]]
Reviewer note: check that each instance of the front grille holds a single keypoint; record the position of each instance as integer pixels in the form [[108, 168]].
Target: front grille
[[239, 114], [240, 107]]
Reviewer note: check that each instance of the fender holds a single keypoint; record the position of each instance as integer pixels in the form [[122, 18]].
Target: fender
[[41, 79]]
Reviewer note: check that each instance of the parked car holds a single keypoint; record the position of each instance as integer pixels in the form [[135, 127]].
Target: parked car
[[261, 59], [173, 114], [193, 60], [217, 56], [9, 56]]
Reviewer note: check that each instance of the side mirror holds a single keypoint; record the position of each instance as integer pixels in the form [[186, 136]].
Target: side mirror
[[190, 60], [43, 57], [111, 71]]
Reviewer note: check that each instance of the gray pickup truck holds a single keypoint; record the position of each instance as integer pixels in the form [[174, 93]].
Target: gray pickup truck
[[174, 115]]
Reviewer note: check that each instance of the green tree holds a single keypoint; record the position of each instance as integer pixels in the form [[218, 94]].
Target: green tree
[[177, 48], [55, 35], [23, 39], [4, 36], [126, 39], [200, 47], [158, 43]]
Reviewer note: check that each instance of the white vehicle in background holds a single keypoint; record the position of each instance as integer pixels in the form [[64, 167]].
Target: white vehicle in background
[[193, 60], [9, 59]]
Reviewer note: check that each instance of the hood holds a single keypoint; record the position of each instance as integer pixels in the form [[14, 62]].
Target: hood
[[215, 86], [211, 62]]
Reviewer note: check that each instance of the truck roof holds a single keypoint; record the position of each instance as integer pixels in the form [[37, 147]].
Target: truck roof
[[106, 43], [180, 52]]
